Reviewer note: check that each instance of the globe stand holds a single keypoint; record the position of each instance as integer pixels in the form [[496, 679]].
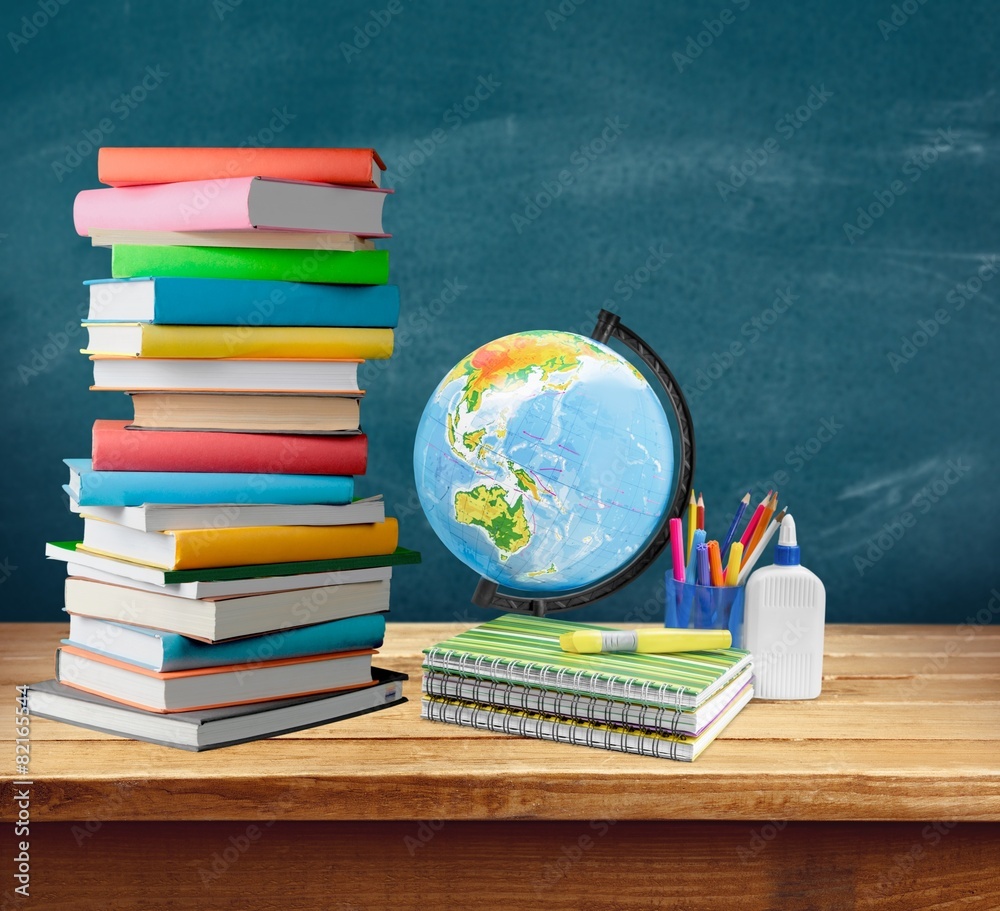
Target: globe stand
[[488, 592]]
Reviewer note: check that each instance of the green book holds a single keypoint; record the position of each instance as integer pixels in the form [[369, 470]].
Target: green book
[[525, 650], [339, 267]]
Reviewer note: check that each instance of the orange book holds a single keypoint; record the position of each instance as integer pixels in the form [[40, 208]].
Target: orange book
[[129, 167], [206, 548], [211, 687]]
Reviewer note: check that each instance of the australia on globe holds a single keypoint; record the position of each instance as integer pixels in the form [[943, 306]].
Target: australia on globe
[[544, 461]]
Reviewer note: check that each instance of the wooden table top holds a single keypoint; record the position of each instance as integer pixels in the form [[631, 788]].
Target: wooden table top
[[907, 728]]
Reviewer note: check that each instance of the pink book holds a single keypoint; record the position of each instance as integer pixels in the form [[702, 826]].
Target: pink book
[[232, 204]]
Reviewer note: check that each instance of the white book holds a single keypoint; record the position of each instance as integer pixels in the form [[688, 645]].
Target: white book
[[218, 618], [131, 374], [164, 517], [211, 728], [180, 691]]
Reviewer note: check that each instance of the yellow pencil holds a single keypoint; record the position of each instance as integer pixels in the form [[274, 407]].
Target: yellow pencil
[[769, 507], [692, 524], [735, 559]]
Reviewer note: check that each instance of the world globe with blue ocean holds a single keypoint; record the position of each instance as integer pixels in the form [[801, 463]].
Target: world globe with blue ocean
[[544, 461]]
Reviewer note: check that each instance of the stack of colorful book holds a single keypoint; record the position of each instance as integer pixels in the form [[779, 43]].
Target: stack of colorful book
[[511, 675], [229, 585]]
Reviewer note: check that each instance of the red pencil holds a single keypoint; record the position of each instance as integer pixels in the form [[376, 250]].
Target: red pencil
[[701, 511], [754, 519]]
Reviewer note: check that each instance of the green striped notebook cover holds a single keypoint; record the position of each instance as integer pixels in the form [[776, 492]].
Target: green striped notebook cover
[[582, 733], [525, 650]]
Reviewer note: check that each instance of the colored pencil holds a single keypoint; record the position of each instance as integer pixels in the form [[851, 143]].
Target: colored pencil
[[761, 545], [715, 564], [742, 508], [735, 559], [701, 510], [769, 507], [692, 525], [677, 548], [752, 524]]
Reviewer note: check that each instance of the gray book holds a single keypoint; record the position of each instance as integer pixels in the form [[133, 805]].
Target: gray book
[[208, 729]]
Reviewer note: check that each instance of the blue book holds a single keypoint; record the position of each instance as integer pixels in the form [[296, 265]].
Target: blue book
[[133, 488], [163, 651], [242, 302]]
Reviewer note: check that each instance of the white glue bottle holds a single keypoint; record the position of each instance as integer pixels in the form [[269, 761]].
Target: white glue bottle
[[785, 610]]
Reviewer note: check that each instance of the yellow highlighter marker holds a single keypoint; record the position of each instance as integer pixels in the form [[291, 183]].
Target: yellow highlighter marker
[[735, 560], [650, 641]]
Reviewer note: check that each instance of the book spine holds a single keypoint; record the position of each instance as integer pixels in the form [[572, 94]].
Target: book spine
[[122, 167], [272, 342], [215, 547], [185, 301], [203, 451], [131, 488], [351, 634], [365, 267], [213, 205], [540, 728], [548, 677], [573, 706]]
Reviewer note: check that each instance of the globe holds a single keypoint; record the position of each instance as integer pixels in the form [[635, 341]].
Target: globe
[[544, 461]]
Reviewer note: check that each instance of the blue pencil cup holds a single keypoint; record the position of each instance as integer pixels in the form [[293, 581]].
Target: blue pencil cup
[[705, 607]]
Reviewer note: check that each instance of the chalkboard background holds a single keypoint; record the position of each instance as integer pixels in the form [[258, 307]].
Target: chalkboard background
[[726, 144]]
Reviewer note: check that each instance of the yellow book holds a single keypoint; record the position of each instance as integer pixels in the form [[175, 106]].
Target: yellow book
[[253, 342], [207, 548]]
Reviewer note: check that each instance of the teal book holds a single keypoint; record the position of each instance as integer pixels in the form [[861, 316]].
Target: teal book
[[525, 650], [134, 488], [338, 267], [228, 302], [163, 651]]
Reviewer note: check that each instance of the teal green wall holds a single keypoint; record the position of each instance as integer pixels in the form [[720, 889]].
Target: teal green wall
[[477, 108]]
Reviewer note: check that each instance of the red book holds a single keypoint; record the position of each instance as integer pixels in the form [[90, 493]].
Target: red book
[[128, 167], [118, 449]]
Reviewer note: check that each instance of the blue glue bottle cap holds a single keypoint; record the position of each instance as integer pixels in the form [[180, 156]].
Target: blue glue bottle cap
[[787, 551]]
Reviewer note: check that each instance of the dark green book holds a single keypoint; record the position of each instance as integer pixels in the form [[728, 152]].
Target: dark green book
[[66, 550], [337, 267]]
